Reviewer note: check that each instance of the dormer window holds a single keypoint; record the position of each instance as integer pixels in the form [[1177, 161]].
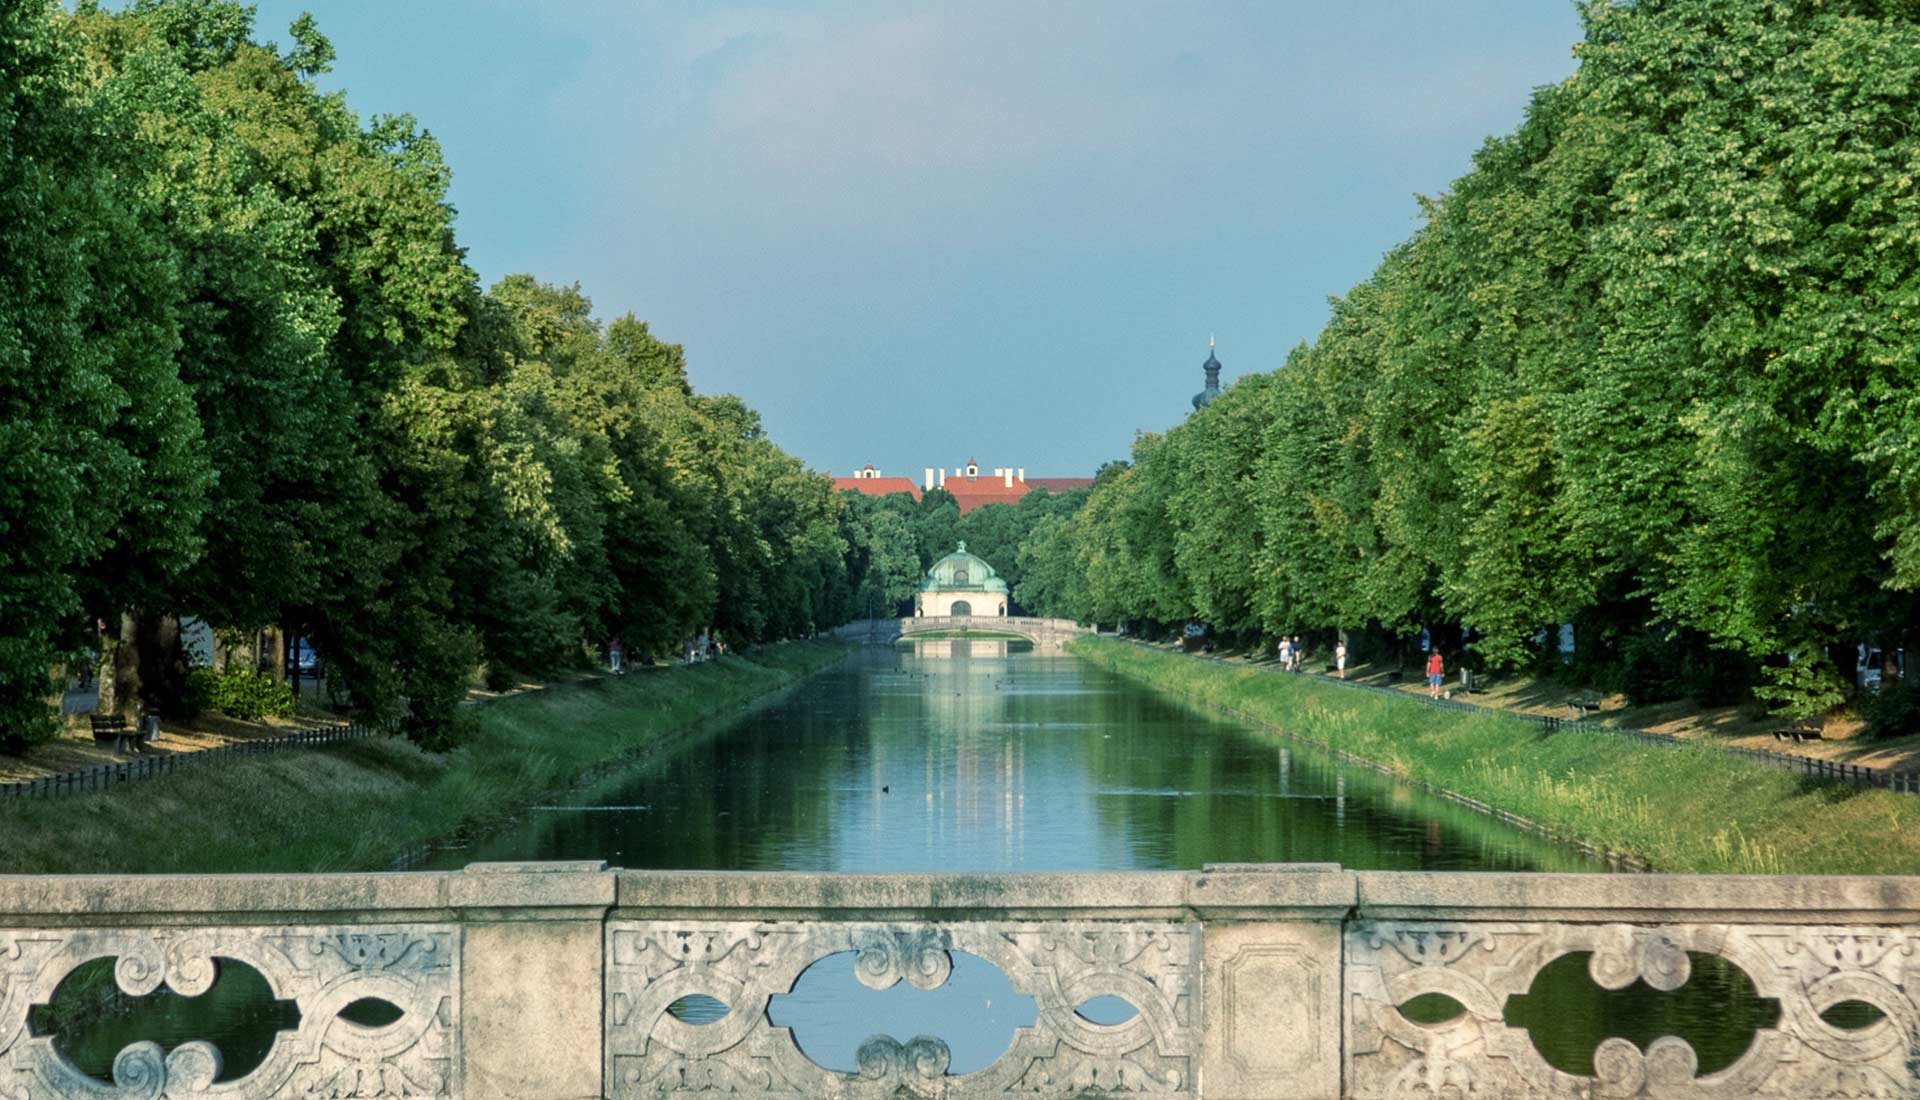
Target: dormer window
[[960, 576]]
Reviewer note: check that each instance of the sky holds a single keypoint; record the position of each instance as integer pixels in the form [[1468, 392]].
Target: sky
[[912, 234]]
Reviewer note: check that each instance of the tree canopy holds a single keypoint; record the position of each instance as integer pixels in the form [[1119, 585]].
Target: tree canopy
[[1650, 368], [247, 375]]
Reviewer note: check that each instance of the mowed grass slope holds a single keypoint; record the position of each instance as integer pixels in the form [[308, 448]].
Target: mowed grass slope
[[361, 805], [1678, 808]]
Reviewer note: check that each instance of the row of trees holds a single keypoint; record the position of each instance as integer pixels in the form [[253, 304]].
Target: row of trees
[[1652, 368], [247, 375]]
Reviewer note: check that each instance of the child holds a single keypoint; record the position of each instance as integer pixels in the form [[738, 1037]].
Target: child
[[1436, 674]]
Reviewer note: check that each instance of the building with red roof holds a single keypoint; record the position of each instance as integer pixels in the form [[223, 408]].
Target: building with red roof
[[970, 486], [867, 481]]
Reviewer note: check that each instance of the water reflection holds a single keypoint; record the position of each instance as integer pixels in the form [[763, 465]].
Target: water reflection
[[971, 754]]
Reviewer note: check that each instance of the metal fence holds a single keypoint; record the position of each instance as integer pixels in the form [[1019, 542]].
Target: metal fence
[[101, 777]]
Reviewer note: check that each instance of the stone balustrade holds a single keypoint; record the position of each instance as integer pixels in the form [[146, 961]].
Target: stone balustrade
[[1043, 633], [554, 981]]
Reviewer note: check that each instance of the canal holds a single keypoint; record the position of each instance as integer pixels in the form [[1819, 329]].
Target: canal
[[968, 755], [956, 755]]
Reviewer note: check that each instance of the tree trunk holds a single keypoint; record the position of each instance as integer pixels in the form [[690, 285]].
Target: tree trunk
[[119, 675], [276, 654], [163, 662], [1846, 658]]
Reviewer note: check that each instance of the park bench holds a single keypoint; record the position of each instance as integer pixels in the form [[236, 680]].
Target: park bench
[[1806, 729], [112, 729], [1585, 703]]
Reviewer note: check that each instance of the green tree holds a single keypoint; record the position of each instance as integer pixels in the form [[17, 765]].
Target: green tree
[[102, 468]]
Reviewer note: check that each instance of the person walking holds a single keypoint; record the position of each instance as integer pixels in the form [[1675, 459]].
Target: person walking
[[1299, 651], [1436, 674], [1340, 658], [1286, 653]]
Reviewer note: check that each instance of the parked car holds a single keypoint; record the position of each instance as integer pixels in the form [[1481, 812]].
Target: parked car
[[304, 659], [1873, 663]]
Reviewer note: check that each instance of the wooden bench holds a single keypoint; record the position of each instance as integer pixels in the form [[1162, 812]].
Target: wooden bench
[[112, 729], [1585, 703], [116, 732], [1806, 729]]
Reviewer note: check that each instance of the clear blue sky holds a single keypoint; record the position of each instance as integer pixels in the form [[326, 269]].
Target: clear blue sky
[[910, 234]]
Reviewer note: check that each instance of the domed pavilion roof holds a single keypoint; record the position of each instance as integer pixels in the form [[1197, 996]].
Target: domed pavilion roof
[[962, 572]]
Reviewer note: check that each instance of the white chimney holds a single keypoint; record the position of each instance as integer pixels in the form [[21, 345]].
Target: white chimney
[[929, 483], [943, 478], [1020, 474], [1009, 474]]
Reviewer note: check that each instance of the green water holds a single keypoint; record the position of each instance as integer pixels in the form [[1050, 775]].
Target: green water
[[964, 756], [958, 755]]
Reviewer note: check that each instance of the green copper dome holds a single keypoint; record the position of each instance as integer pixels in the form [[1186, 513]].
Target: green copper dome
[[961, 571]]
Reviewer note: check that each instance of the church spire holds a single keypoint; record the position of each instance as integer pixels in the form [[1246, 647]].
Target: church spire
[[1212, 369]]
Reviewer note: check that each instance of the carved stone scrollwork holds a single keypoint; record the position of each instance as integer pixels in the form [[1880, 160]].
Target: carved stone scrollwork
[[884, 1058], [888, 955], [1480, 965], [650, 965], [413, 967]]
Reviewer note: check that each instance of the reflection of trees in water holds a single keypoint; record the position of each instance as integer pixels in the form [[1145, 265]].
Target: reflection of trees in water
[[1208, 791], [954, 753]]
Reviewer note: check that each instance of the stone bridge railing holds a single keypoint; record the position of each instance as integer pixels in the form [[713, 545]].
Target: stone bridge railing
[[554, 981]]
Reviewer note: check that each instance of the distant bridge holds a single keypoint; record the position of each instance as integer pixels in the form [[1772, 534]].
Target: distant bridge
[[1043, 633]]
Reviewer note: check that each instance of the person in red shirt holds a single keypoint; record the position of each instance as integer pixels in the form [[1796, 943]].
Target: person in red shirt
[[1436, 674]]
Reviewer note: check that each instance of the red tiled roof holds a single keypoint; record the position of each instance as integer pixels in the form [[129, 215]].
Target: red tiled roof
[[968, 492], [878, 486], [978, 492], [1059, 484], [969, 498]]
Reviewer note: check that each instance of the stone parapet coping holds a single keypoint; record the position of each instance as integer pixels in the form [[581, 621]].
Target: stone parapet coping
[[529, 891], [1719, 899], [1307, 894], [496, 891]]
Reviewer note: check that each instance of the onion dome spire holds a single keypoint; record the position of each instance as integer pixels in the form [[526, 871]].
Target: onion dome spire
[[1212, 366]]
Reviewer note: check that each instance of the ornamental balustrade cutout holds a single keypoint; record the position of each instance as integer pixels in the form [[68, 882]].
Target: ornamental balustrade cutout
[[566, 981]]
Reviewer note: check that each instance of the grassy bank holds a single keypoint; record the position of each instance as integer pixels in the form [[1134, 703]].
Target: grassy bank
[[1676, 808], [360, 805]]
